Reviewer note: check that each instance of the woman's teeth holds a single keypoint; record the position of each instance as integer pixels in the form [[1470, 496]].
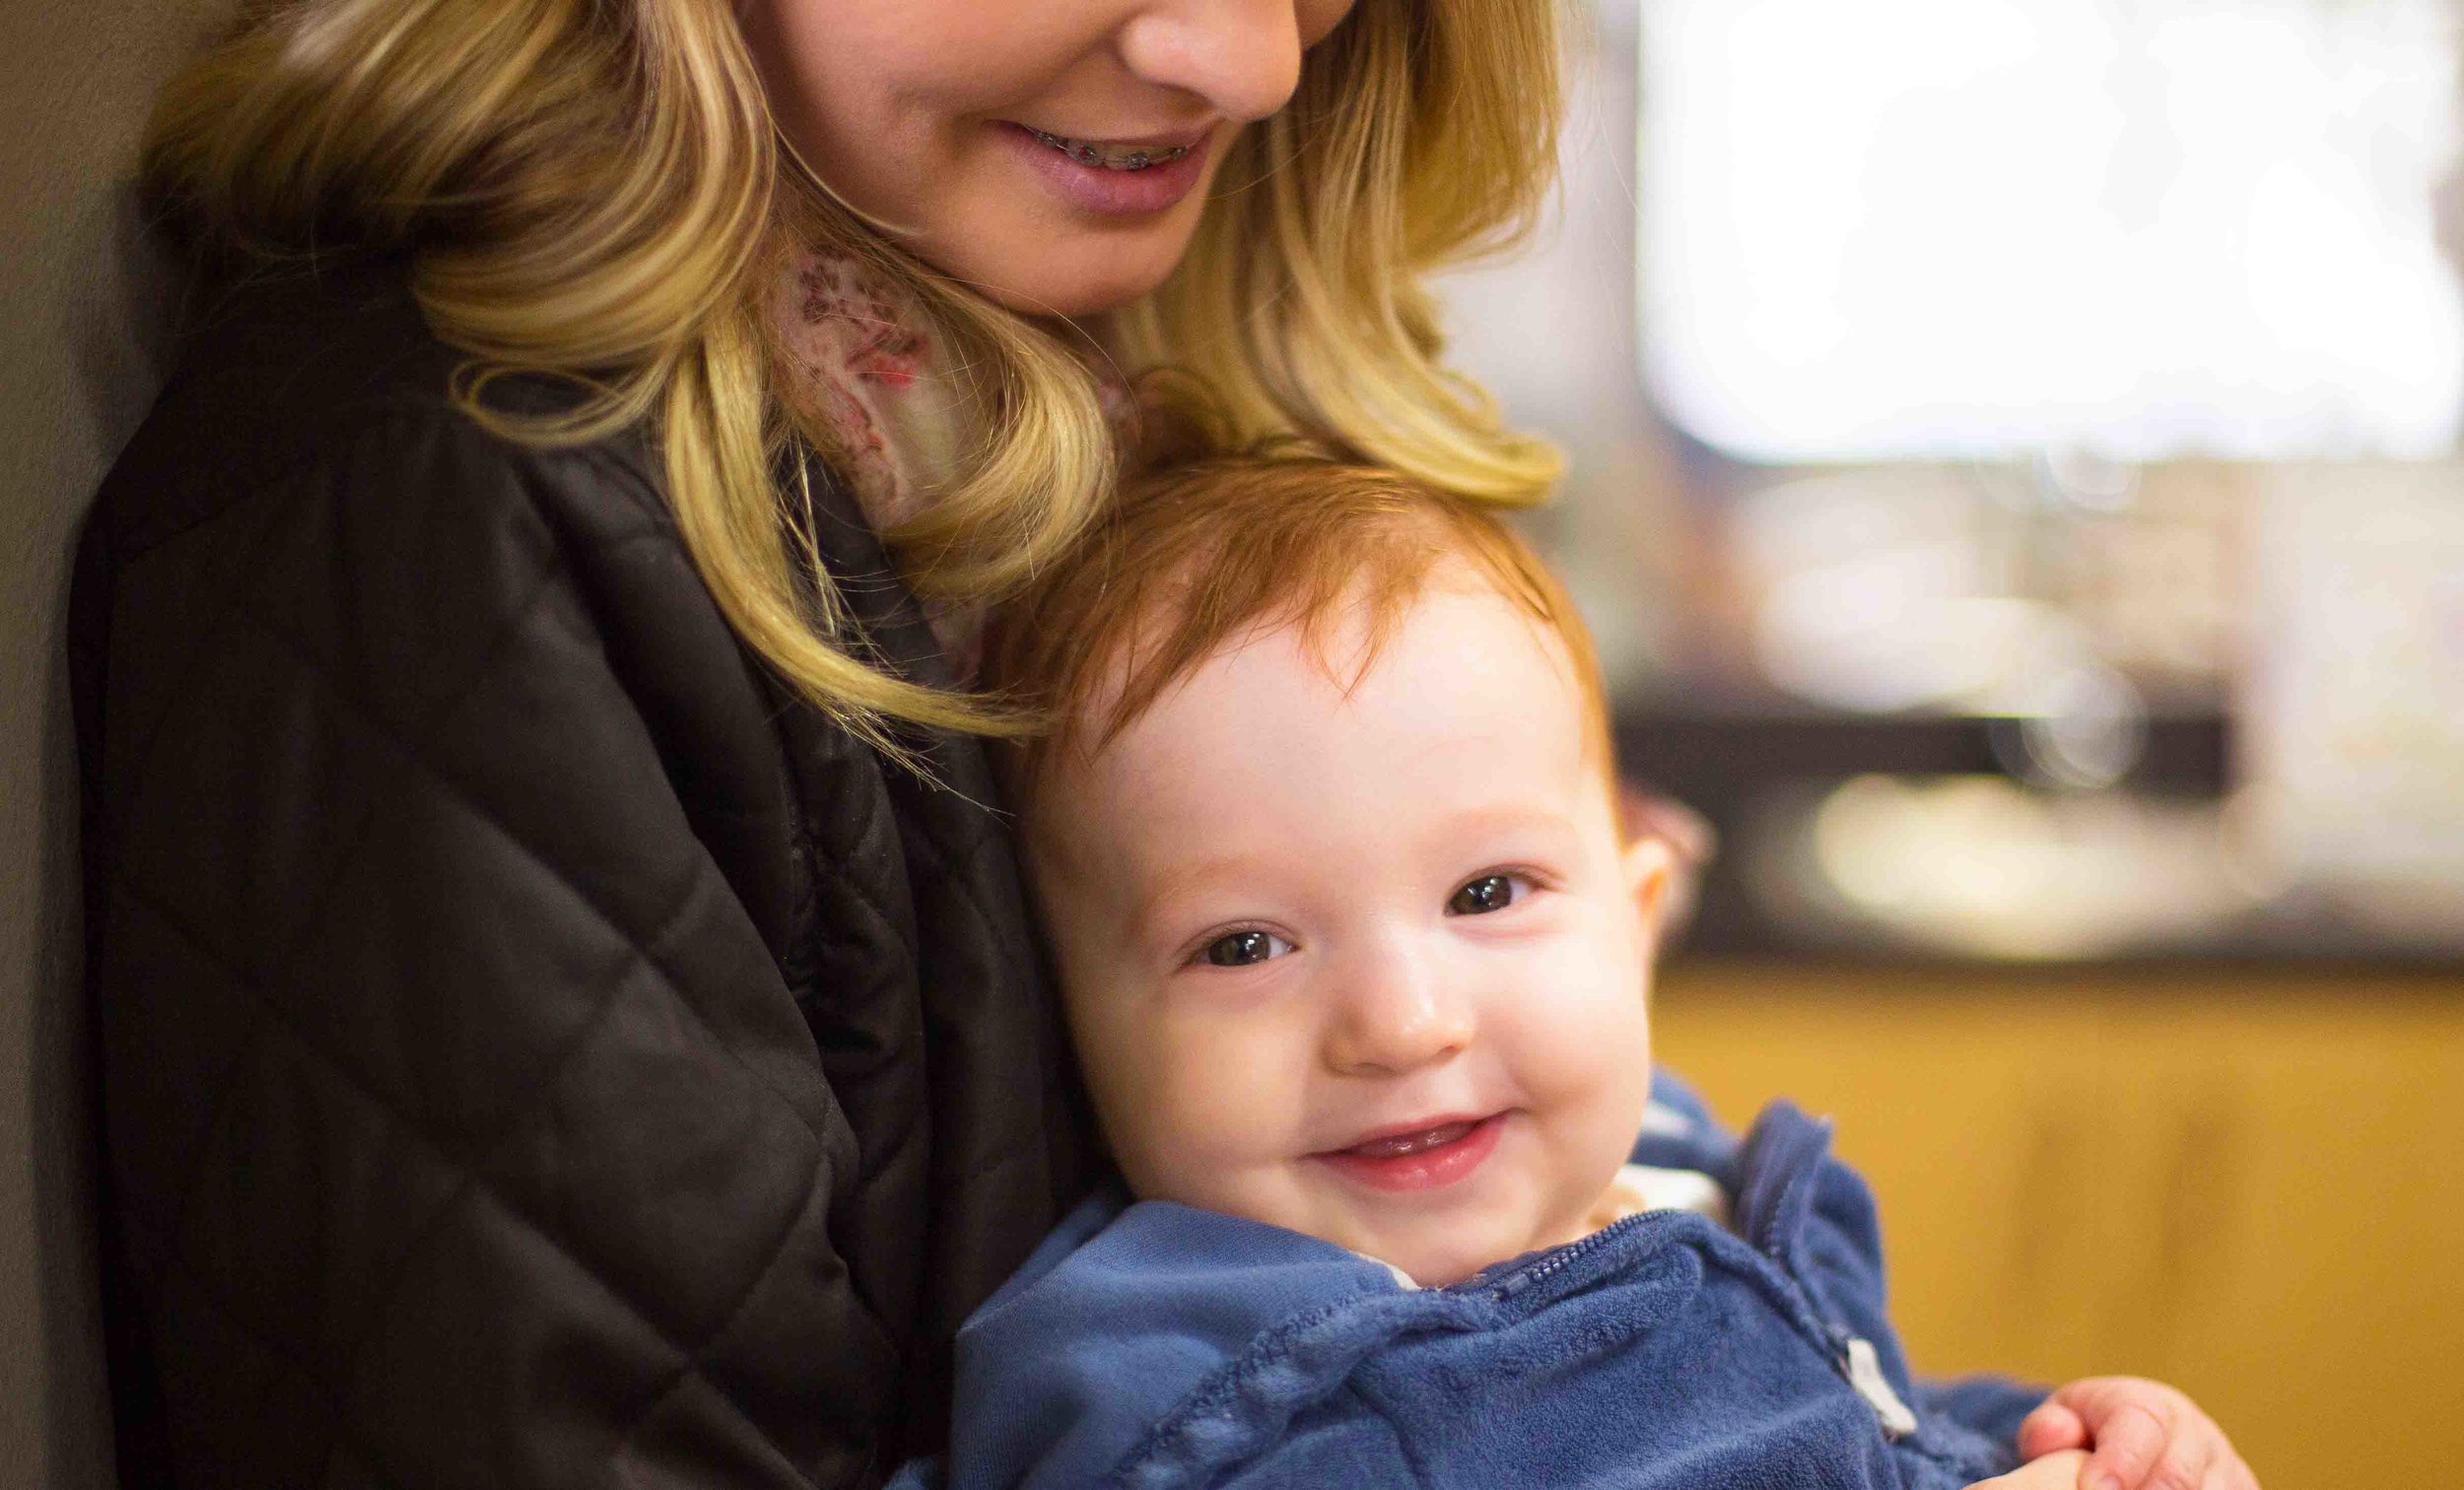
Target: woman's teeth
[[1110, 156]]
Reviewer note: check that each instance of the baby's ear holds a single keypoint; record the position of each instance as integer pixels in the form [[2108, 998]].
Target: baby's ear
[[1648, 863]]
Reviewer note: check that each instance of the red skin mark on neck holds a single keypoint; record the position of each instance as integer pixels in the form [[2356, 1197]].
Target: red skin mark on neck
[[883, 347]]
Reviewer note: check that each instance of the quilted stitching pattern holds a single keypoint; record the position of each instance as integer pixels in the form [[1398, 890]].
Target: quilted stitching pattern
[[464, 1127], [472, 1149]]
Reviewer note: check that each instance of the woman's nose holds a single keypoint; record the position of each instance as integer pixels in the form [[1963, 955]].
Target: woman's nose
[[1395, 1013], [1241, 56]]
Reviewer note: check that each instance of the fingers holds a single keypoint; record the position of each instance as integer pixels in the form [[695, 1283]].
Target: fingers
[[2129, 1442], [2179, 1461], [2230, 1472], [2052, 1426], [2055, 1472], [2225, 1471], [2147, 1436]]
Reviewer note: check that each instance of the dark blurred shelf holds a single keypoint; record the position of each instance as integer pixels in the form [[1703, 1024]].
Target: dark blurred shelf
[[1707, 758], [1731, 765]]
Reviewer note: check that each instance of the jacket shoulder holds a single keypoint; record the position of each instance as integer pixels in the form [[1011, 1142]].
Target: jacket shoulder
[[307, 463], [299, 373]]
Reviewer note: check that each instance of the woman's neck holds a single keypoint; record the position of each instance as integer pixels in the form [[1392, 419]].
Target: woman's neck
[[864, 373], [868, 377]]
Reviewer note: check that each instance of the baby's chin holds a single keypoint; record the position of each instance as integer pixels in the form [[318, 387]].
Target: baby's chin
[[1440, 1263], [1438, 1247], [1445, 1273]]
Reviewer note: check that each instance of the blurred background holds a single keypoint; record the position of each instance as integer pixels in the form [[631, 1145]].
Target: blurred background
[[2015, 475]]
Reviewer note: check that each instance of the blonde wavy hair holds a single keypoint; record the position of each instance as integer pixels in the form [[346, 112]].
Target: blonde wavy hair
[[596, 189]]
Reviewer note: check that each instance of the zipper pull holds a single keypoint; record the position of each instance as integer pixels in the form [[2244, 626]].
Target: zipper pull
[[1864, 1370]]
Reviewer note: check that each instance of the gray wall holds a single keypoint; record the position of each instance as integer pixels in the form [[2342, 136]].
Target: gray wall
[[82, 304]]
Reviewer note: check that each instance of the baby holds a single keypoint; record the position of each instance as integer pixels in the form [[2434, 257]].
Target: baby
[[1355, 955]]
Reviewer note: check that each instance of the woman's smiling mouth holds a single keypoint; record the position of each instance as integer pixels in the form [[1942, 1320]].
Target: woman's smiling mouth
[[1111, 178], [1111, 155], [1424, 1157]]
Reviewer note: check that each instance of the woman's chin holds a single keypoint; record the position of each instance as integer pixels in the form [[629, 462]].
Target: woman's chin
[[1091, 274], [1072, 297]]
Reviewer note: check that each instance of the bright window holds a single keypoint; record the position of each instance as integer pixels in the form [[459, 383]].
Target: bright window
[[1919, 229]]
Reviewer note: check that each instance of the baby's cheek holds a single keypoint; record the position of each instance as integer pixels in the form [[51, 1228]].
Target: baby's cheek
[[1588, 1019], [1586, 1058], [1215, 1112]]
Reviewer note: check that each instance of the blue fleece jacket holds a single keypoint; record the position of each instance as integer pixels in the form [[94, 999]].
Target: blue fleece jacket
[[1150, 1344]]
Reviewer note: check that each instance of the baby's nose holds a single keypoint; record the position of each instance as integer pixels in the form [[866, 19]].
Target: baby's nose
[[1397, 1013]]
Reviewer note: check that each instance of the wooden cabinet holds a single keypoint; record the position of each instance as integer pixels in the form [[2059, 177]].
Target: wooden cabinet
[[2248, 1184]]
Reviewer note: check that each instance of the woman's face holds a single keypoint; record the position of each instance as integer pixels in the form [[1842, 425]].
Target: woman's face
[[1055, 154]]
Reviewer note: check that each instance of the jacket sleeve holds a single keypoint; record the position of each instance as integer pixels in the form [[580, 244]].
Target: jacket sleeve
[[460, 1128], [1837, 1253]]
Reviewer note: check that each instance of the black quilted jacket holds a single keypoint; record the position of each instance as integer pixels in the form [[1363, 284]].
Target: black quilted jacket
[[534, 1050]]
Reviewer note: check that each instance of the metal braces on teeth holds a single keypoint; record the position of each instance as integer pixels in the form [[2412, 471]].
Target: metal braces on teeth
[[1111, 158]]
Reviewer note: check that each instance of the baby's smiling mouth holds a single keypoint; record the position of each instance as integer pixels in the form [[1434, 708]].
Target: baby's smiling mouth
[[1105, 153], [1421, 1156], [1403, 1145]]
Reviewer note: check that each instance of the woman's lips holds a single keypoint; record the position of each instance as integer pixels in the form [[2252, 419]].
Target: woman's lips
[[1424, 1158], [1103, 191]]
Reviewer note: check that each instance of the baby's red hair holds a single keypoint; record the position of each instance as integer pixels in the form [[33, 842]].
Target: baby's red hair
[[1192, 559]]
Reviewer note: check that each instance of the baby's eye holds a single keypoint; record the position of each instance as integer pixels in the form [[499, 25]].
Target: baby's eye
[[1489, 892], [1239, 949]]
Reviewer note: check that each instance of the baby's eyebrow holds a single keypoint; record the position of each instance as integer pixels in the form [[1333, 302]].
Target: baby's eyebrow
[[1543, 818], [1184, 879]]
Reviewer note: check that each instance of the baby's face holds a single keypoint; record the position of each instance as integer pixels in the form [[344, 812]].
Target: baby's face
[[1366, 964]]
